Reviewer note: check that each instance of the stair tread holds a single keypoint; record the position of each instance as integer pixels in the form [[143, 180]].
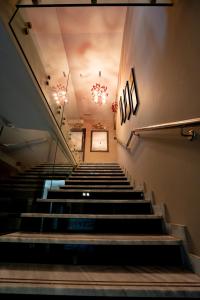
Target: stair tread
[[83, 177], [90, 216], [93, 280], [96, 181], [107, 239], [68, 186], [92, 201]]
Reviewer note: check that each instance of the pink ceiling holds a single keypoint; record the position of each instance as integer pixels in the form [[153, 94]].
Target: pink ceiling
[[83, 41]]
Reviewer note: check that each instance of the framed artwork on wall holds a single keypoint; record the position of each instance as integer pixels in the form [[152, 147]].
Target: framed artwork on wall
[[121, 110], [77, 139], [133, 91], [124, 104], [99, 141], [128, 101]]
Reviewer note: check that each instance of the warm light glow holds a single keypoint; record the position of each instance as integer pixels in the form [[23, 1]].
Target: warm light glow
[[59, 94], [99, 93]]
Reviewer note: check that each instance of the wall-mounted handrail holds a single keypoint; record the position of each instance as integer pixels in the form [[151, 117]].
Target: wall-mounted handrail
[[178, 124]]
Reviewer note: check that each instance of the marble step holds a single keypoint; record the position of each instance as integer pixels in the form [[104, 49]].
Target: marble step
[[91, 216], [89, 239], [90, 249], [106, 282], [99, 182], [81, 177], [99, 164], [96, 187], [92, 223], [93, 201], [95, 194], [97, 173], [98, 168], [95, 170], [76, 206]]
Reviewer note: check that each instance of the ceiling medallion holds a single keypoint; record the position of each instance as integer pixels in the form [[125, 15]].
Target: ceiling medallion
[[99, 93]]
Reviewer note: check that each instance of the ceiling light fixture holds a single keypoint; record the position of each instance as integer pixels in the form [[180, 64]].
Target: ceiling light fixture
[[59, 94], [99, 93]]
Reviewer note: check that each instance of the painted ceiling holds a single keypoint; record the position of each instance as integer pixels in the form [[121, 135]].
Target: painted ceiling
[[81, 42]]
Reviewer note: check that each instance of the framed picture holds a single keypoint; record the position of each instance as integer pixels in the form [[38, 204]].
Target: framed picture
[[121, 110], [128, 101], [99, 141], [124, 105], [133, 91], [77, 139]]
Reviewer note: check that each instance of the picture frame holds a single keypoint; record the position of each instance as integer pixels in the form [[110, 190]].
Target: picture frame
[[121, 110], [133, 91], [99, 141], [128, 101], [77, 139], [124, 104]]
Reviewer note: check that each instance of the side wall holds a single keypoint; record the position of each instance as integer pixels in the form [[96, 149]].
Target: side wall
[[163, 45]]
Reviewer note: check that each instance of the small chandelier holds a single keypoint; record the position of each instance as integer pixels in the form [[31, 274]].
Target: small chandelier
[[59, 94], [99, 93]]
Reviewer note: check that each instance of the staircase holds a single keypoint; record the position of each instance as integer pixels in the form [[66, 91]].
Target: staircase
[[95, 236], [17, 193]]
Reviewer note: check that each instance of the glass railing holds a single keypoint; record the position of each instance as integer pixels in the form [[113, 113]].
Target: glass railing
[[52, 79]]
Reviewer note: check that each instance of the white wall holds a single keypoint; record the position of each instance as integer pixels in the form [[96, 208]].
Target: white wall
[[163, 44]]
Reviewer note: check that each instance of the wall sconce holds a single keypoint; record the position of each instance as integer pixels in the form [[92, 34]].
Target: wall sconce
[[47, 80], [28, 26]]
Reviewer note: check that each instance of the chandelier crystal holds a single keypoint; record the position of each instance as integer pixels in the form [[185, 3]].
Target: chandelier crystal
[[99, 93], [59, 93]]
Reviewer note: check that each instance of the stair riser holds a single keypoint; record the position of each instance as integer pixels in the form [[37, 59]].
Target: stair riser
[[70, 225], [92, 208], [91, 254], [62, 194]]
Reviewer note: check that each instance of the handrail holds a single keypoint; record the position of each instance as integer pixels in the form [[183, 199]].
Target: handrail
[[178, 124]]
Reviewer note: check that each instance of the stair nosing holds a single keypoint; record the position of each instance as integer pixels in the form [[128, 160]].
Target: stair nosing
[[91, 216], [93, 239]]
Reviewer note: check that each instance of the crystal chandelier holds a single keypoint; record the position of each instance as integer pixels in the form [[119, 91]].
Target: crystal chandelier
[[59, 94], [99, 93]]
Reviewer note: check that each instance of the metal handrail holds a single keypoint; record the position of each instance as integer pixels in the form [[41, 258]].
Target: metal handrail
[[178, 124]]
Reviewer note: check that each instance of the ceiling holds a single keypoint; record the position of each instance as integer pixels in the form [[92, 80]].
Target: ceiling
[[81, 41]]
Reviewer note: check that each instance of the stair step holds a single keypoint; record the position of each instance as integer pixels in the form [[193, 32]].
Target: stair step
[[99, 182], [95, 170], [92, 201], [91, 187], [90, 223], [90, 249], [98, 174], [99, 281], [98, 168], [89, 239], [83, 178], [96, 194], [94, 206], [90, 216]]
